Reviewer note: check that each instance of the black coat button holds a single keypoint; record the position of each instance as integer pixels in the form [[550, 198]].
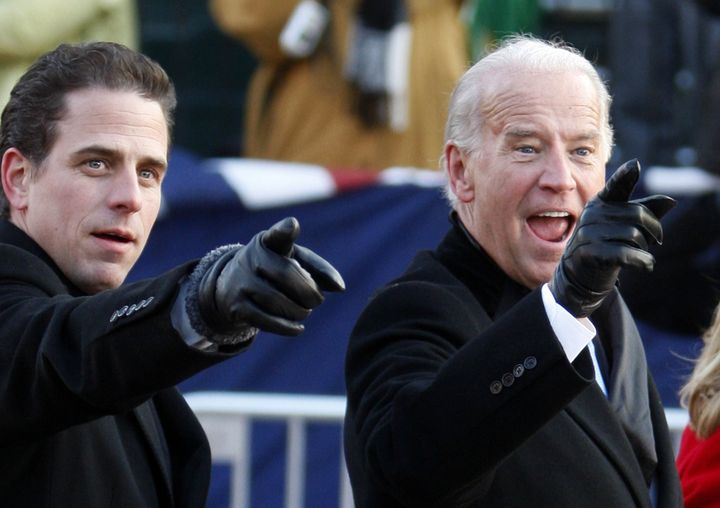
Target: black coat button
[[530, 362], [507, 379], [518, 370], [496, 387]]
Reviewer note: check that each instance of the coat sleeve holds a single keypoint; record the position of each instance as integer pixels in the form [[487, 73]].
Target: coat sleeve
[[65, 360], [438, 395]]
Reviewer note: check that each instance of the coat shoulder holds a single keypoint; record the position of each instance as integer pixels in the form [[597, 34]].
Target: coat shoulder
[[22, 266]]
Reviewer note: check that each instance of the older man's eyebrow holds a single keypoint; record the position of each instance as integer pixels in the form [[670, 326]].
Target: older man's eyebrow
[[523, 132], [590, 135], [520, 132]]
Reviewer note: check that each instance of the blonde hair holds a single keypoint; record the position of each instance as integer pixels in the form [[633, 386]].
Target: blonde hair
[[700, 394]]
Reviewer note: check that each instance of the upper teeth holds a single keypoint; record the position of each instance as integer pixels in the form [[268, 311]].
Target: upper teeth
[[553, 214]]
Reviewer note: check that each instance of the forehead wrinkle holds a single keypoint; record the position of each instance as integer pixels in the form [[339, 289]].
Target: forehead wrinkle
[[145, 125], [505, 92], [104, 136], [515, 123], [118, 118], [516, 112]]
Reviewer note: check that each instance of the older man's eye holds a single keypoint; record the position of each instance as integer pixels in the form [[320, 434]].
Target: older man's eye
[[583, 152], [95, 164]]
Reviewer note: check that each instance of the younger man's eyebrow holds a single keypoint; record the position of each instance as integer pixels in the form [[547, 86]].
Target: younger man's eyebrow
[[95, 150], [109, 153]]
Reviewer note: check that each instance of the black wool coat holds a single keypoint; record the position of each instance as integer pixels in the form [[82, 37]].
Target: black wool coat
[[460, 395], [89, 416]]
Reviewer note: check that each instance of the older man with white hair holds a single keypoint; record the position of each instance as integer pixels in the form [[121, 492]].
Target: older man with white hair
[[503, 369]]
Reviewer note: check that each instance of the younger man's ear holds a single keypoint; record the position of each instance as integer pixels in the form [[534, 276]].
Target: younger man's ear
[[459, 174], [15, 173]]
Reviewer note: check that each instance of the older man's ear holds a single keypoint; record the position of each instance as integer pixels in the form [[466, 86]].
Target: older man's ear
[[459, 174]]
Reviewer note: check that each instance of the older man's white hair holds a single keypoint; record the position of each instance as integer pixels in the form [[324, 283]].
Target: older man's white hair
[[519, 54]]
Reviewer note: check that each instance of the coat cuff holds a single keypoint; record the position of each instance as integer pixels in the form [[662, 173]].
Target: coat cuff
[[205, 334]]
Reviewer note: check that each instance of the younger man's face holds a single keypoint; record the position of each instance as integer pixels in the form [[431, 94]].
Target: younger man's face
[[96, 195]]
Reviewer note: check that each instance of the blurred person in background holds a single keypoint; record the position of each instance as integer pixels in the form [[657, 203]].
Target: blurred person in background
[[348, 83], [699, 455], [29, 28], [675, 45], [490, 21]]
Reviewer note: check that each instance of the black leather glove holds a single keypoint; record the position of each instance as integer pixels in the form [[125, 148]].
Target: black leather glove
[[270, 283], [612, 232]]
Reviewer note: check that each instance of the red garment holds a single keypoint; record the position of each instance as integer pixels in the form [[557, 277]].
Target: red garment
[[699, 466]]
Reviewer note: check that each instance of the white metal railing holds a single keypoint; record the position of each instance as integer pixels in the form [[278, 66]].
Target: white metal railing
[[677, 418], [227, 418]]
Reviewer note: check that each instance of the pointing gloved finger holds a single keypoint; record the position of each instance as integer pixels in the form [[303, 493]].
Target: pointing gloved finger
[[650, 225], [614, 235], [607, 220], [620, 185], [281, 236], [637, 258], [658, 204], [323, 273], [257, 317], [274, 303], [628, 234], [292, 280], [653, 208]]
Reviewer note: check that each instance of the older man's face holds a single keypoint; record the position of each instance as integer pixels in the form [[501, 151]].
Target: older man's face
[[97, 195], [540, 161]]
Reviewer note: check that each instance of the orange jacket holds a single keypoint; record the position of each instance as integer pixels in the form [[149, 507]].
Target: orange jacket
[[300, 110]]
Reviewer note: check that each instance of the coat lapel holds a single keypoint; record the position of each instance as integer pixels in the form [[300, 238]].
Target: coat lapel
[[623, 428], [591, 411], [150, 428], [628, 387], [511, 294]]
